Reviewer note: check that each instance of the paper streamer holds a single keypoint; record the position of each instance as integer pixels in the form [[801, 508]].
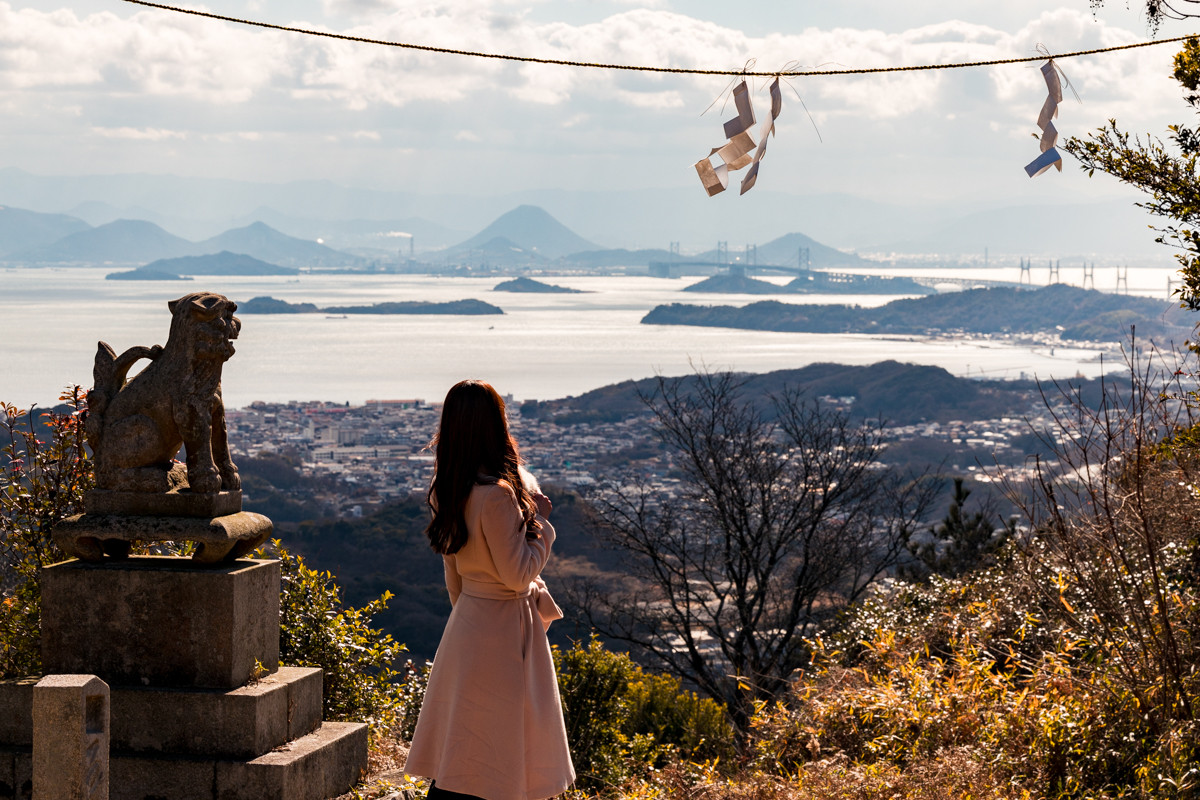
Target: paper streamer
[[768, 128], [1050, 156], [736, 152]]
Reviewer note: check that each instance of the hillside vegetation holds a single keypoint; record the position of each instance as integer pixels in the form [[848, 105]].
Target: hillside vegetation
[[902, 394]]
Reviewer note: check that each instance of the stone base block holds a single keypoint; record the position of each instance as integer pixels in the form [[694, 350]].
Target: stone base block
[[95, 537], [321, 765], [241, 724], [160, 621]]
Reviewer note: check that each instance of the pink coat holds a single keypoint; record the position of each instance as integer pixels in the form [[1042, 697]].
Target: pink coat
[[491, 723]]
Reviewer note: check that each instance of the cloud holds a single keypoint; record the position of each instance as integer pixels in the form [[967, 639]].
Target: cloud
[[160, 54], [374, 8], [252, 99], [139, 134]]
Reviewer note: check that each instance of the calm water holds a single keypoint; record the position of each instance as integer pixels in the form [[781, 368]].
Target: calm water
[[544, 346]]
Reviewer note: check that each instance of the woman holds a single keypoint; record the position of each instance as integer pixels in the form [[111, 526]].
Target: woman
[[491, 725]]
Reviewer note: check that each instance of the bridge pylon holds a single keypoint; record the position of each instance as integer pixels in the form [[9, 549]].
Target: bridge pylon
[[1026, 275], [1123, 280], [1054, 275], [1089, 275]]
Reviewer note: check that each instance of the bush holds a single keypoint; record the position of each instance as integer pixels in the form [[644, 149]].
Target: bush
[[362, 681], [981, 672], [44, 473], [623, 722]]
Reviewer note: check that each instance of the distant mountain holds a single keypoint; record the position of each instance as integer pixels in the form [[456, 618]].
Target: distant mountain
[[531, 229], [126, 241], [264, 242], [634, 218], [222, 263], [499, 251], [786, 251], [22, 230], [392, 235]]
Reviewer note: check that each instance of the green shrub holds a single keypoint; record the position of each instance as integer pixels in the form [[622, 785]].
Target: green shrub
[[623, 722], [44, 472], [361, 676]]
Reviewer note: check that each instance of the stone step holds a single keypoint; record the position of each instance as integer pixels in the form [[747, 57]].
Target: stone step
[[321, 765], [242, 723], [238, 724]]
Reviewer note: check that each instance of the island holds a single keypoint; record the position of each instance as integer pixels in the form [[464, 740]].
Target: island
[[222, 263], [1066, 311], [531, 286], [812, 282], [271, 305], [736, 284], [145, 274]]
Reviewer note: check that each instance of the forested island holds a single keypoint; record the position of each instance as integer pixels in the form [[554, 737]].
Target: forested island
[[529, 285], [271, 305], [812, 282], [1074, 314], [222, 263]]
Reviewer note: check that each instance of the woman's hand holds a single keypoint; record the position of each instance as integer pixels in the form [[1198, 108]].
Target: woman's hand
[[543, 504]]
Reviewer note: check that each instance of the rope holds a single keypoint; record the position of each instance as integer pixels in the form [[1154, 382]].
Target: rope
[[636, 68]]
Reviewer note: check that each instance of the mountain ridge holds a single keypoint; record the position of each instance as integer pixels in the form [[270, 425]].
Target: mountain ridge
[[530, 228]]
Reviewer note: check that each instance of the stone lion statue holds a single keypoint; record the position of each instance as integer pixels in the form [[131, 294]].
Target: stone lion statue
[[135, 429]]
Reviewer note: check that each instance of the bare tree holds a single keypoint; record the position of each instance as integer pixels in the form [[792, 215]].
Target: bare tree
[[783, 517], [1114, 549]]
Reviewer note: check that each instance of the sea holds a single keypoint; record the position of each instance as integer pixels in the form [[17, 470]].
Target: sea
[[544, 346]]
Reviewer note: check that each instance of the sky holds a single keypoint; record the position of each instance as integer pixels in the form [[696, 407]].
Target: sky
[[103, 86]]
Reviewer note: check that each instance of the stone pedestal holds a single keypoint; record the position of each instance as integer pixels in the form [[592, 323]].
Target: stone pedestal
[[161, 621], [177, 643]]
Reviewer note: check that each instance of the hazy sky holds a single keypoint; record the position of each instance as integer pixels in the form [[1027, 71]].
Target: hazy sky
[[102, 86]]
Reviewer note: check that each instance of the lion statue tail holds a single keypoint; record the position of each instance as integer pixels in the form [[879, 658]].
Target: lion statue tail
[[108, 378]]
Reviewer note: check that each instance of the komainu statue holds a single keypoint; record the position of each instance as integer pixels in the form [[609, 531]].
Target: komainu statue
[[135, 429]]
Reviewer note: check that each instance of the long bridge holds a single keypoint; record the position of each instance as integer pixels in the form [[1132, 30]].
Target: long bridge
[[670, 269]]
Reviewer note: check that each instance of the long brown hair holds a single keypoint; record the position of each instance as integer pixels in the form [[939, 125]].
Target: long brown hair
[[472, 445]]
